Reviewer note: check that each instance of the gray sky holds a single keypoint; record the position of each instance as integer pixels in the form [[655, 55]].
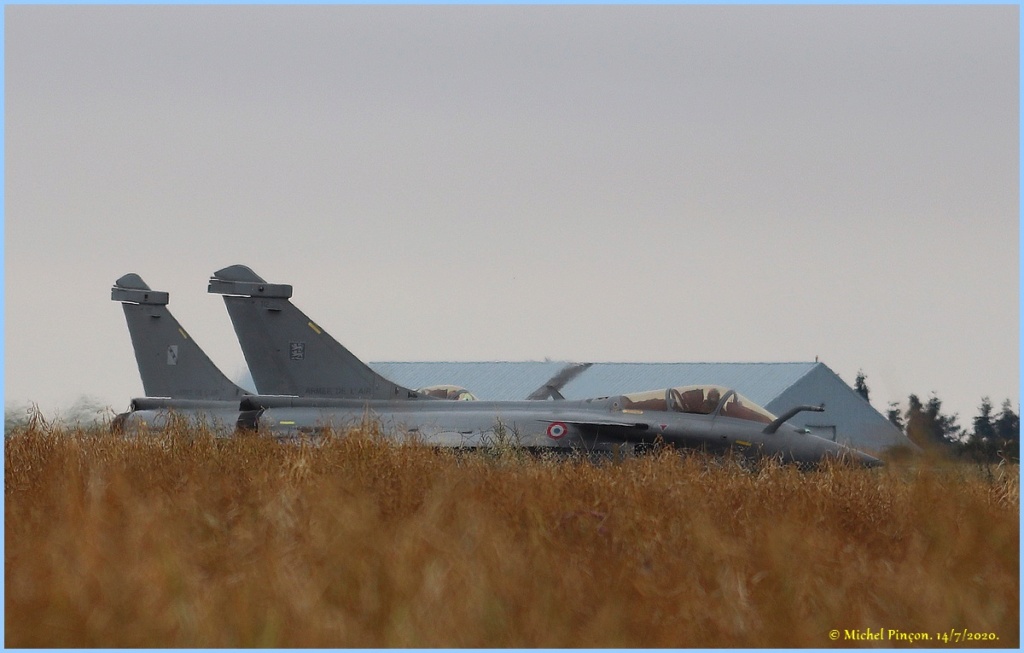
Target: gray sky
[[514, 183]]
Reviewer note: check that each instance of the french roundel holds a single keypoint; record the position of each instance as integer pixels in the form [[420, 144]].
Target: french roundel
[[557, 430]]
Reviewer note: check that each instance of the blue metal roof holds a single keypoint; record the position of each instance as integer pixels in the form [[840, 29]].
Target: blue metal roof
[[761, 382]]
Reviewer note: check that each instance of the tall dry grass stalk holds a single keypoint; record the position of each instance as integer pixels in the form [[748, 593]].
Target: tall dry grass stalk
[[184, 540]]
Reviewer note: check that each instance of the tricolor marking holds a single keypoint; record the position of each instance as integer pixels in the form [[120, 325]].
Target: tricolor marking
[[557, 430]]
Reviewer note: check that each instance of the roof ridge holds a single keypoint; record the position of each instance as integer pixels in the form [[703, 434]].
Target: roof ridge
[[812, 368]]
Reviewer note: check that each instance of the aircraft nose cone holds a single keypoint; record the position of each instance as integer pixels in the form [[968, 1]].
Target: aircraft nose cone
[[851, 455], [867, 460]]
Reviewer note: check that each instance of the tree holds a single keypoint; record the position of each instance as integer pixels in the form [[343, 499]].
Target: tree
[[995, 438], [984, 429], [1007, 425], [981, 443], [927, 427], [861, 387], [944, 427], [917, 430], [1007, 428], [895, 417]]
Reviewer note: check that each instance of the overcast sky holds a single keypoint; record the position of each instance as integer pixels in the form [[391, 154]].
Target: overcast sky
[[513, 183]]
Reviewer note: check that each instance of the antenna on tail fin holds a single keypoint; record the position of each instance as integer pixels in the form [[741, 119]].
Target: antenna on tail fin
[[286, 351], [171, 364]]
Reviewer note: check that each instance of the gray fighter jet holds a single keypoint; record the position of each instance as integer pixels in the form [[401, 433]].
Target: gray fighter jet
[[285, 349]]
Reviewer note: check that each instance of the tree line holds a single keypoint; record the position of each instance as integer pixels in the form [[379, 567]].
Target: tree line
[[992, 436]]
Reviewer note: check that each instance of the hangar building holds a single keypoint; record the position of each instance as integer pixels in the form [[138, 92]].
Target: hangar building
[[847, 419]]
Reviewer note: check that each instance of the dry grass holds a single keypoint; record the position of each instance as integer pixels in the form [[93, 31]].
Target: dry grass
[[184, 540]]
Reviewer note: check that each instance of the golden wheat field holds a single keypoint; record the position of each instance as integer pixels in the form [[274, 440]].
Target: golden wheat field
[[184, 540]]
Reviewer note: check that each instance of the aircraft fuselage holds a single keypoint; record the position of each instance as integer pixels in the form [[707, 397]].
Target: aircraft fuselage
[[589, 425]]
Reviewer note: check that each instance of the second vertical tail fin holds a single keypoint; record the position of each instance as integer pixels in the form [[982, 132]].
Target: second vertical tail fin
[[286, 351]]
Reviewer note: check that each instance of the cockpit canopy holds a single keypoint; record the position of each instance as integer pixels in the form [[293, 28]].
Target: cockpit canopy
[[450, 392], [698, 400]]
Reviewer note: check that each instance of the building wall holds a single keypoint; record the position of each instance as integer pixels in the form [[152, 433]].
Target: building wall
[[847, 418]]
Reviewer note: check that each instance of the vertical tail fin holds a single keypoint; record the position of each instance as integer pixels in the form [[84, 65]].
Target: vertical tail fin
[[170, 362], [286, 351]]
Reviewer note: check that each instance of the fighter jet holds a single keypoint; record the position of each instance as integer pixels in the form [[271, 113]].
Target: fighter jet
[[286, 349]]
